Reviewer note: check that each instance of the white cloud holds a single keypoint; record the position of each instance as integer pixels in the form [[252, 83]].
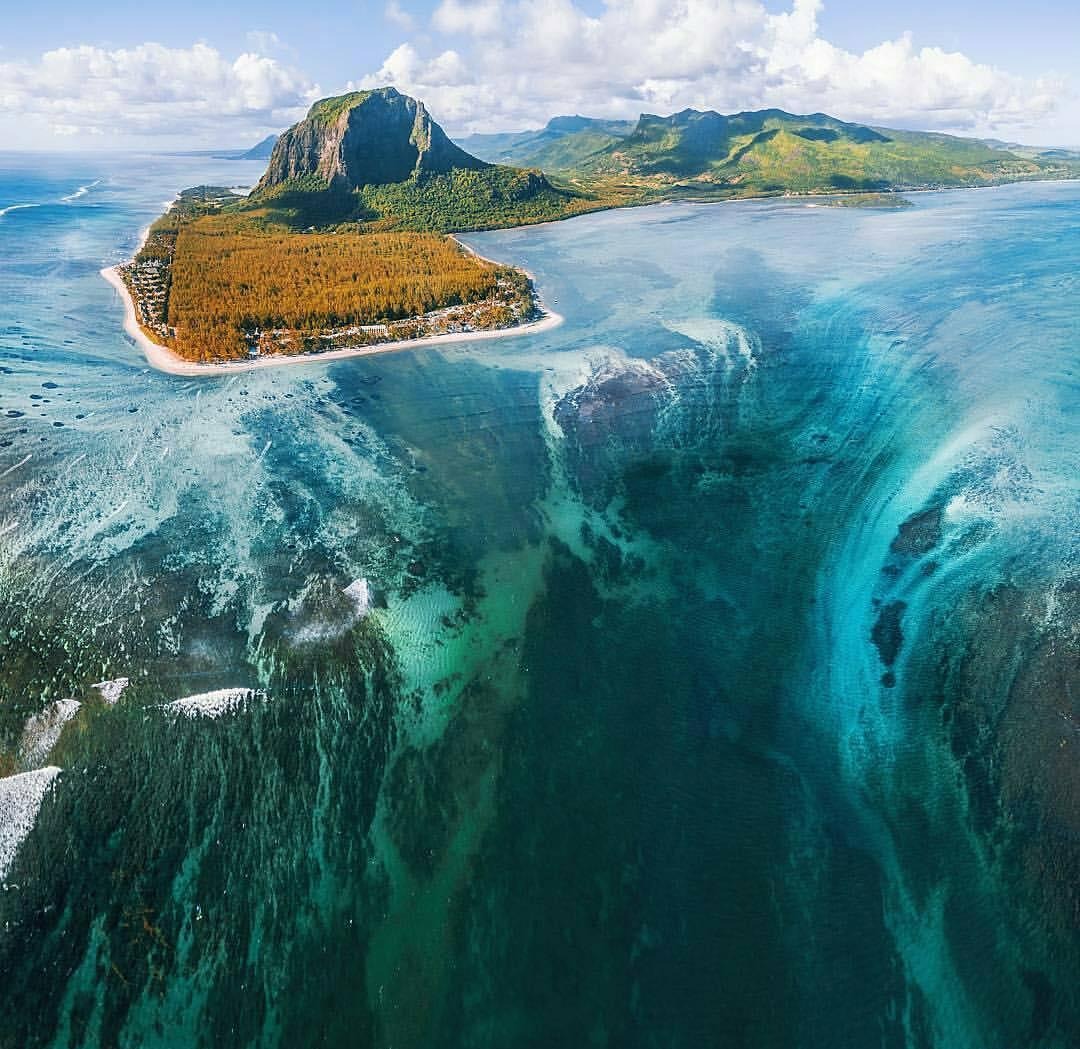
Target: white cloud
[[153, 90], [397, 15], [894, 81], [477, 17], [501, 64], [517, 62]]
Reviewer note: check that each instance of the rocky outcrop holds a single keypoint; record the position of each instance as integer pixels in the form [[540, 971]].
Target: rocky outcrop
[[365, 138]]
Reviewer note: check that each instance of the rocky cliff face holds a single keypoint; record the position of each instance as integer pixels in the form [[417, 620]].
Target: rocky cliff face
[[365, 138]]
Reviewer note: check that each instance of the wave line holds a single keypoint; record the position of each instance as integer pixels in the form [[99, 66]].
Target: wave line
[[16, 207], [81, 191]]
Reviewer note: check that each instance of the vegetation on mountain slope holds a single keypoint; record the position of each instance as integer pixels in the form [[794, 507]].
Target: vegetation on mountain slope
[[708, 155], [376, 158], [564, 144]]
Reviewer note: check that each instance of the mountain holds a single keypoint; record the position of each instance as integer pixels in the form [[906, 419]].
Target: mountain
[[692, 142], [365, 138], [378, 157], [771, 151], [706, 155], [562, 144], [261, 151]]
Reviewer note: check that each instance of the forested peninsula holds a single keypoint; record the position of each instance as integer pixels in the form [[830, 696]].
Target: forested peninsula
[[345, 243]]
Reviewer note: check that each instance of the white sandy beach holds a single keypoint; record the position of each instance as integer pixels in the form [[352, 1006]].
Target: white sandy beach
[[163, 359]]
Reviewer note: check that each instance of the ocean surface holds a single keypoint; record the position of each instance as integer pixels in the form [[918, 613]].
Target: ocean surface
[[704, 672]]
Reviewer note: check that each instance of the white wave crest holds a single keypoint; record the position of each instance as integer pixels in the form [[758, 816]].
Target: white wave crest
[[215, 704], [724, 339], [16, 207], [112, 690], [20, 802], [81, 191], [359, 593], [41, 731]]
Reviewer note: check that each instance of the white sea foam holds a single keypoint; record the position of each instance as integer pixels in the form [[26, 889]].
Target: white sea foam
[[20, 802], [325, 627], [16, 207], [112, 690], [720, 336], [359, 593], [41, 731], [21, 462], [81, 191], [215, 704]]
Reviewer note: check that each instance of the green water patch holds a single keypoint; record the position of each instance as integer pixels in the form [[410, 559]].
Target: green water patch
[[189, 868]]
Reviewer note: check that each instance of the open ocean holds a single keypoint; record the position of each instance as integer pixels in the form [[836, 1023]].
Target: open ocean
[[708, 675]]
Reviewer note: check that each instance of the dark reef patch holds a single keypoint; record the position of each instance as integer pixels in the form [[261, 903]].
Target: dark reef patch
[[919, 534], [887, 633]]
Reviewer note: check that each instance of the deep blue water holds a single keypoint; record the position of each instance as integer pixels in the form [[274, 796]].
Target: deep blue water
[[721, 684]]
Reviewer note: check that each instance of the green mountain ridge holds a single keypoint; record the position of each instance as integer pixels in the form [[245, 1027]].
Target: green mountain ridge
[[771, 150], [376, 160], [704, 153]]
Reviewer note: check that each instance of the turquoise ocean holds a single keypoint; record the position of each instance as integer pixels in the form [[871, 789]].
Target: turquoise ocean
[[704, 672]]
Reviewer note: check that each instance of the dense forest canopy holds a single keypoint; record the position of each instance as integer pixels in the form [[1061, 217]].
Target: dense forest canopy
[[230, 282]]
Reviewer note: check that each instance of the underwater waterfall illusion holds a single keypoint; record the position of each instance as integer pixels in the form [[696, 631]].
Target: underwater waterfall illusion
[[705, 672]]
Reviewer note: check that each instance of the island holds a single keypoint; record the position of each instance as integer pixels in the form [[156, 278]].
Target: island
[[208, 289], [346, 246], [343, 248]]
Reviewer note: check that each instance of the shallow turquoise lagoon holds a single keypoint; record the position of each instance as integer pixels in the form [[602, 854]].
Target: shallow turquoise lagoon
[[704, 672]]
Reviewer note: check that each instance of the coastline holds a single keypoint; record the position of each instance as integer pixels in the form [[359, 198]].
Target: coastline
[[165, 360]]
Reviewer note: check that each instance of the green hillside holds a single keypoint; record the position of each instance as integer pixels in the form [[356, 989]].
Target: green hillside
[[772, 151], [454, 201], [468, 200], [376, 160], [710, 155], [564, 144]]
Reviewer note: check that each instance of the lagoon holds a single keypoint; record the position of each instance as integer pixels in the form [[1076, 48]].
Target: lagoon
[[712, 683]]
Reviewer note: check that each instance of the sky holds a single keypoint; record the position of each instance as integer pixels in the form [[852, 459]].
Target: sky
[[132, 74]]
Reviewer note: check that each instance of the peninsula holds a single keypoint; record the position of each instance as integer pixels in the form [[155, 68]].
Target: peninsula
[[345, 245]]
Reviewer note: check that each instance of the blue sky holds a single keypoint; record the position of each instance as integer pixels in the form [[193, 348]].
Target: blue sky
[[145, 75]]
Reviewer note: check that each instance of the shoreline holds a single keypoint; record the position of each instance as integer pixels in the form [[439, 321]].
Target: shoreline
[[165, 360], [758, 197]]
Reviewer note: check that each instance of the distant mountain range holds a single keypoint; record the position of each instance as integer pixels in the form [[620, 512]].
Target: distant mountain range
[[379, 156], [378, 159], [704, 153], [564, 144], [262, 150]]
